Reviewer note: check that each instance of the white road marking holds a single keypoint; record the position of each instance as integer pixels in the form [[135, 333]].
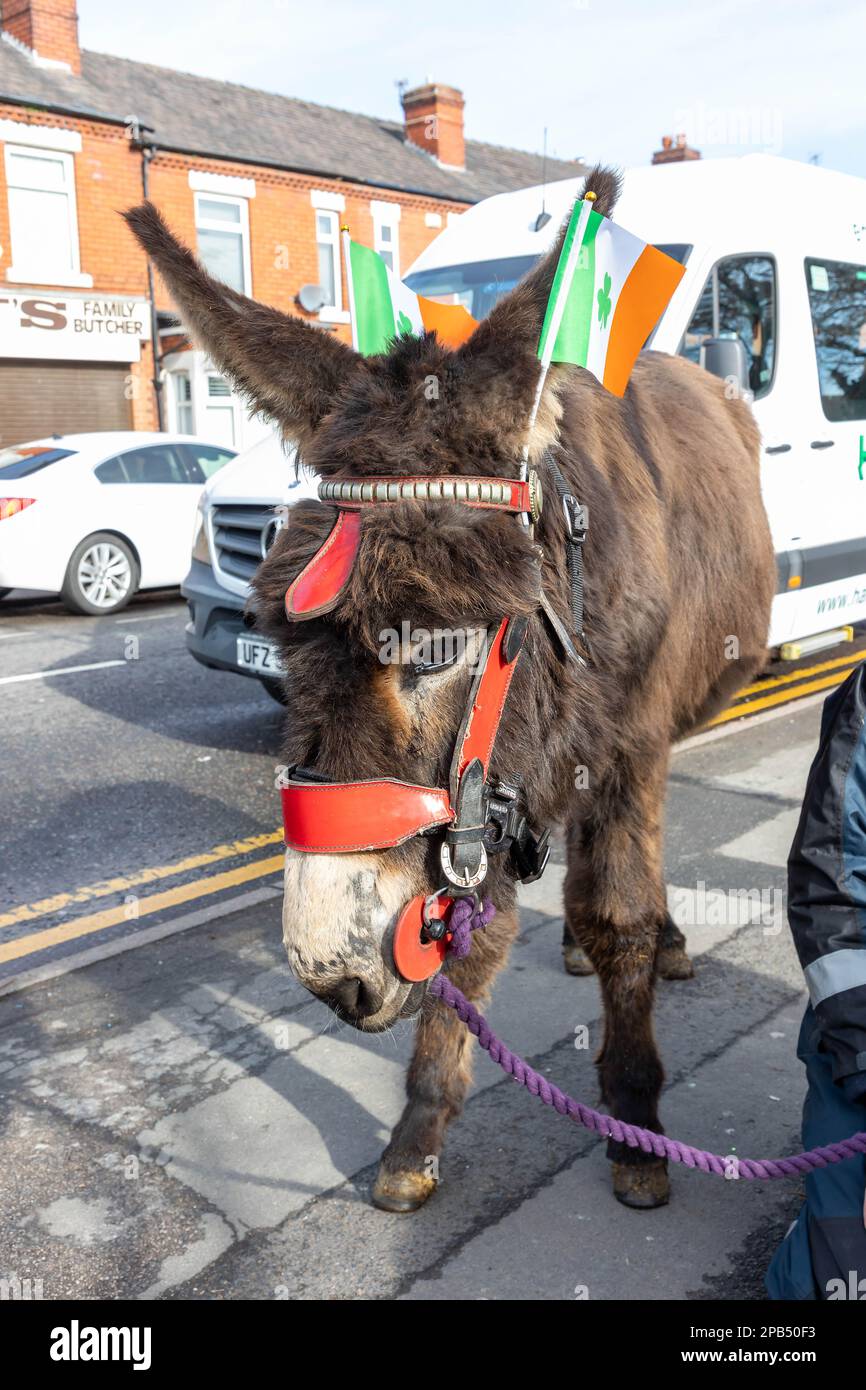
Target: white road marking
[[65, 964], [766, 843], [775, 774], [59, 671], [27, 632], [149, 617]]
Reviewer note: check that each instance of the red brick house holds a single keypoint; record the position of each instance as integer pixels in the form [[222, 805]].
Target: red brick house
[[259, 182]]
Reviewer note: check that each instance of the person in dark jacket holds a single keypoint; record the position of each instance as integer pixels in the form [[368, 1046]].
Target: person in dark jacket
[[823, 1256]]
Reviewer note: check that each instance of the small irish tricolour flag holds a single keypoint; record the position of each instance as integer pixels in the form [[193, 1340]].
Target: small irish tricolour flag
[[382, 308], [609, 292]]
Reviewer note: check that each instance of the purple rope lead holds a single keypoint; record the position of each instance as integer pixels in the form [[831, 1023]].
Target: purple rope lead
[[469, 919], [465, 918]]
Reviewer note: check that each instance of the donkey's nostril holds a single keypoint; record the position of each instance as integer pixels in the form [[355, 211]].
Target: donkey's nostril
[[353, 996]]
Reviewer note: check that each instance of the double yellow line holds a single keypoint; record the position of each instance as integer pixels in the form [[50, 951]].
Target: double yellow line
[[136, 907], [792, 686]]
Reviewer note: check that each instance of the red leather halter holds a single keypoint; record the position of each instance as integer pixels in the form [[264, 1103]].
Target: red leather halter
[[324, 817]]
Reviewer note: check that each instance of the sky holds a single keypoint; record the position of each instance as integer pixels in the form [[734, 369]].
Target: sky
[[607, 79]]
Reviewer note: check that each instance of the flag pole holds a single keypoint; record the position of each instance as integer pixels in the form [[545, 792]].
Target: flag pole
[[347, 257], [558, 310]]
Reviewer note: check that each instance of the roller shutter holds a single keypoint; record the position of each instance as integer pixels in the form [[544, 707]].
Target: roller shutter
[[39, 398]]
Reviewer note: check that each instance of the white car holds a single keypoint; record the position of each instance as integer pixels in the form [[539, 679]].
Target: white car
[[240, 515], [96, 517]]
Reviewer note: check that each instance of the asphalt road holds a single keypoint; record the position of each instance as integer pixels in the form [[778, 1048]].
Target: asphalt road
[[180, 1120]]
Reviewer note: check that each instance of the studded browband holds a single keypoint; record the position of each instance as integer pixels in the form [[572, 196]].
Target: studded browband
[[507, 494]]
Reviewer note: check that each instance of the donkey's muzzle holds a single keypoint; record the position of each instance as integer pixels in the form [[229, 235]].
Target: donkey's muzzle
[[352, 998]]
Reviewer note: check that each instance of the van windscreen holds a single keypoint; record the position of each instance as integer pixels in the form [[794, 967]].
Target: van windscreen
[[481, 284], [477, 285]]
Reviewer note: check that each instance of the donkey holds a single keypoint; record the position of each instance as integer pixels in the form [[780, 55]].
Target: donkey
[[679, 575]]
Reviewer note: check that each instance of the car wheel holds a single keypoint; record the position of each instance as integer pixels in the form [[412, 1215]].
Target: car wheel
[[101, 576], [274, 689]]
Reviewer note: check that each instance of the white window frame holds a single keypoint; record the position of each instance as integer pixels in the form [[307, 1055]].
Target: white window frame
[[332, 313], [243, 225], [203, 181], [387, 215], [177, 403], [43, 275]]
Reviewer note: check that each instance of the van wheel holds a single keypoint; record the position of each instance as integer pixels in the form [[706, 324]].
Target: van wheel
[[274, 689], [101, 576]]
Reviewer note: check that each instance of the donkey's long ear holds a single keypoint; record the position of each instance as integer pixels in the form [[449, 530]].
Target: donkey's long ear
[[283, 366], [500, 359]]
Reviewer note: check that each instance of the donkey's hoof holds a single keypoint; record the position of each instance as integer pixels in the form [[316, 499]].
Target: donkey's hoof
[[401, 1192], [675, 964], [642, 1185], [576, 961]]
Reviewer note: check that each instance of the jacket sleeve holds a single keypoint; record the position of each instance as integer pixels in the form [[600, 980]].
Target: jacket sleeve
[[827, 885]]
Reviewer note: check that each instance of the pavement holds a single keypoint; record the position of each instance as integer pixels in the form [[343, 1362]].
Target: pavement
[[180, 1120]]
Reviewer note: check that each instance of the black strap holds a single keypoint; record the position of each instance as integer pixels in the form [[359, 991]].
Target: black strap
[[575, 535]]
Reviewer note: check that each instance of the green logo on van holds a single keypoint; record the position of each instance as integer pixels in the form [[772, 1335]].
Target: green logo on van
[[862, 459]]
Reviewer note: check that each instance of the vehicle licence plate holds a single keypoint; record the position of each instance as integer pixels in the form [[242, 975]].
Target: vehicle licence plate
[[255, 654]]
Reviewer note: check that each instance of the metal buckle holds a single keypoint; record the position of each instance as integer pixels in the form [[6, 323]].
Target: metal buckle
[[530, 858], [575, 518], [505, 820], [467, 880]]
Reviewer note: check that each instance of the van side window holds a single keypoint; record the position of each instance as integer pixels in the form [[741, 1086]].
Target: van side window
[[837, 299], [739, 301]]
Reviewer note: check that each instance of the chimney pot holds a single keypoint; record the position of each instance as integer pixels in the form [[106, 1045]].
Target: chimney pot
[[675, 151]]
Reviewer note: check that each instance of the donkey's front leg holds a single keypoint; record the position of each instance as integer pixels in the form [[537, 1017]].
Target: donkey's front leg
[[439, 1074], [615, 906]]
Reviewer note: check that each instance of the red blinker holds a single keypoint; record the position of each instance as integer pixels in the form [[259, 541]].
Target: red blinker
[[317, 588]]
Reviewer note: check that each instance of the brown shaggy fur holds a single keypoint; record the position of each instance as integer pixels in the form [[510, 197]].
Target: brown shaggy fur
[[678, 564]]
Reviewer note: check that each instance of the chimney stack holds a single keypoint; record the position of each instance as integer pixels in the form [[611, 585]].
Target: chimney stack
[[48, 27], [674, 151], [434, 122]]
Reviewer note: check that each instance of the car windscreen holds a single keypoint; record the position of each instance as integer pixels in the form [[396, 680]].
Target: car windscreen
[[21, 460], [480, 284]]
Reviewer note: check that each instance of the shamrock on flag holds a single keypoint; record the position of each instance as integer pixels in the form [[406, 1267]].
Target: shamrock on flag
[[609, 292], [382, 308]]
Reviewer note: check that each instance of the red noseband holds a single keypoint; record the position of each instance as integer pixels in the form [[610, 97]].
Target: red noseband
[[341, 817]]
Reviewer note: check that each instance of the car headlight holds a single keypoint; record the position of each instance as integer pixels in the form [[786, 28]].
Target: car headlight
[[200, 547]]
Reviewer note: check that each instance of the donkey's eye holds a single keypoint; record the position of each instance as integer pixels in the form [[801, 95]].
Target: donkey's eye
[[419, 666]]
